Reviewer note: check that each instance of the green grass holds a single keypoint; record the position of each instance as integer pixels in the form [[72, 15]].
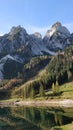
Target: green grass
[[65, 92], [67, 87], [65, 127], [10, 100]]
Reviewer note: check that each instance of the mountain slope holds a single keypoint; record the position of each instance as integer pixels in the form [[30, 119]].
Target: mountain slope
[[60, 68], [9, 67], [24, 56], [57, 38], [20, 44]]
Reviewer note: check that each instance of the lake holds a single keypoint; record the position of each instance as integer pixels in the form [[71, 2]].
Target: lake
[[34, 118]]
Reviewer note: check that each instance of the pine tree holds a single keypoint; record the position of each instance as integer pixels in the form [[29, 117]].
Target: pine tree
[[69, 75], [32, 92], [57, 87], [53, 88], [25, 93], [41, 90], [19, 75]]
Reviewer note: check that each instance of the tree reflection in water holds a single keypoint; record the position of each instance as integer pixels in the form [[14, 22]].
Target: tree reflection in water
[[33, 118]]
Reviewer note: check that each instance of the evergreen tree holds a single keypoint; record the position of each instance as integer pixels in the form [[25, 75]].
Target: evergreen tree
[[41, 90], [32, 92], [53, 88], [57, 87], [69, 75], [25, 93]]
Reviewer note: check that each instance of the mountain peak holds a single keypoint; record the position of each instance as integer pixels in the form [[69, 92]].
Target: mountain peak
[[37, 35], [57, 27], [56, 24], [14, 30]]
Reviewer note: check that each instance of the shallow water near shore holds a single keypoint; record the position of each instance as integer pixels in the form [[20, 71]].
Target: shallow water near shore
[[34, 118]]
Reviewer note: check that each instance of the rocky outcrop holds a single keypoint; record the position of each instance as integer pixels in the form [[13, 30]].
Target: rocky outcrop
[[18, 46], [57, 38], [18, 42], [9, 67]]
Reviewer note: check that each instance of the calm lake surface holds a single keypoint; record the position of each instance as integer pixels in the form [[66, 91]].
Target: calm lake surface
[[34, 118]]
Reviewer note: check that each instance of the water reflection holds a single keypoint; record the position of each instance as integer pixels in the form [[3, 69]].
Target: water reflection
[[25, 118]]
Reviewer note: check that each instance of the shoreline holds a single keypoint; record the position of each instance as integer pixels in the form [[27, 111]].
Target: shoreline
[[54, 103], [46, 103]]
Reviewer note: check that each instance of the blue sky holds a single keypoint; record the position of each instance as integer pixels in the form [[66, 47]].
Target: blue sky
[[35, 15]]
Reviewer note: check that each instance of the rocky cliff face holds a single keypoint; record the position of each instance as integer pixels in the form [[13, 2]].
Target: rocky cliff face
[[57, 38], [21, 46], [17, 41], [14, 40], [9, 67]]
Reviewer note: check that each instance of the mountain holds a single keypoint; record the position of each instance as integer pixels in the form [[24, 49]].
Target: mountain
[[9, 67], [57, 72], [31, 63], [18, 47], [58, 37], [12, 41], [20, 44]]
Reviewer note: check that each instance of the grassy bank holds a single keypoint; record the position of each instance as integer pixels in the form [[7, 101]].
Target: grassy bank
[[65, 127], [65, 92]]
